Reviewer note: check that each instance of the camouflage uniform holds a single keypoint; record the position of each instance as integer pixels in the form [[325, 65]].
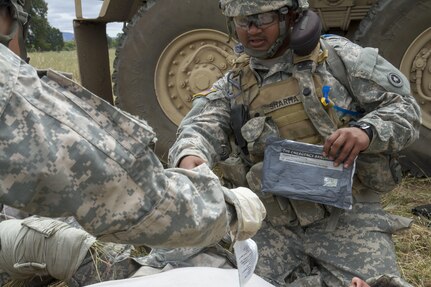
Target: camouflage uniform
[[302, 243], [66, 152], [387, 281]]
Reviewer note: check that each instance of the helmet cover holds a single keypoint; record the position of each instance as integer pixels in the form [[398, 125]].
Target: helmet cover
[[233, 8]]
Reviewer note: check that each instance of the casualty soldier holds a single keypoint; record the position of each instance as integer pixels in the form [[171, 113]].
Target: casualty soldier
[[65, 152], [293, 84]]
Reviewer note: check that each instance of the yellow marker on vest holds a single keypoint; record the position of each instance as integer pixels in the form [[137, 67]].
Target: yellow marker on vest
[[326, 102], [204, 93]]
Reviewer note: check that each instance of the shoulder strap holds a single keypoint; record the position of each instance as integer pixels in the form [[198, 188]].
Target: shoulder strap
[[336, 66]]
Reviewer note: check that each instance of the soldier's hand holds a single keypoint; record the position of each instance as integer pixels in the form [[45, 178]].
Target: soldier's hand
[[190, 162], [344, 145], [356, 282]]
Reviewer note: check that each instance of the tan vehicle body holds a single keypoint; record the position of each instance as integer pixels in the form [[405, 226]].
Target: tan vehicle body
[[173, 49]]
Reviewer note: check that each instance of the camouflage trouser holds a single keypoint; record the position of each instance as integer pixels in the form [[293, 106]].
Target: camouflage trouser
[[115, 265], [35, 282], [160, 260], [360, 246]]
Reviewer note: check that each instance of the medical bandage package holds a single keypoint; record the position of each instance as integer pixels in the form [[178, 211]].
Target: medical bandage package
[[299, 171]]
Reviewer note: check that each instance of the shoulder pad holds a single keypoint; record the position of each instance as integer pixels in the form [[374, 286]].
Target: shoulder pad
[[370, 65], [243, 58], [240, 62], [335, 39], [365, 63]]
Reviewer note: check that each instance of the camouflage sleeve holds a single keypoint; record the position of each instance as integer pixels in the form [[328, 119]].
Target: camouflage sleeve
[[384, 93], [205, 129], [66, 152]]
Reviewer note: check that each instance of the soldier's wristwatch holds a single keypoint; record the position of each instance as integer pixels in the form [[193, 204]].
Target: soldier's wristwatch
[[363, 126]]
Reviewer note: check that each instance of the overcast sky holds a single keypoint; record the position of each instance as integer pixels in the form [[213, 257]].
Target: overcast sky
[[62, 12]]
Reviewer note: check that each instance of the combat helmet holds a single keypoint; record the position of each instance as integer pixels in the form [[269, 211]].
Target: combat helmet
[[234, 8]]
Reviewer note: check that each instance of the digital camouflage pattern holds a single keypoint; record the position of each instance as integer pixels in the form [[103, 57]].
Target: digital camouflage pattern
[[105, 261], [66, 152], [388, 281], [233, 8], [360, 245], [303, 246]]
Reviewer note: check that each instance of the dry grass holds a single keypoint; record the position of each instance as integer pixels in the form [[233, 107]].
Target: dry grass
[[64, 61], [413, 246]]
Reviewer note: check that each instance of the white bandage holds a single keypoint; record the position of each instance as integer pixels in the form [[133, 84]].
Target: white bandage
[[250, 212]]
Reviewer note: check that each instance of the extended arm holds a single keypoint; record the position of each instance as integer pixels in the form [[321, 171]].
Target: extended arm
[[205, 129], [65, 151]]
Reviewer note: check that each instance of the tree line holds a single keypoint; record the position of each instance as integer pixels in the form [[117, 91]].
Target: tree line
[[43, 37]]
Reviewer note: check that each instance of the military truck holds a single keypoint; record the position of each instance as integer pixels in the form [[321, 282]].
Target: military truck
[[173, 49]]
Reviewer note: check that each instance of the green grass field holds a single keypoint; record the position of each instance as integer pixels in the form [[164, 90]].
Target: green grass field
[[65, 61], [413, 246]]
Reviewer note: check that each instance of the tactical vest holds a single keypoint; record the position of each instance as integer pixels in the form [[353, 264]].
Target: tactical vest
[[294, 107], [284, 103]]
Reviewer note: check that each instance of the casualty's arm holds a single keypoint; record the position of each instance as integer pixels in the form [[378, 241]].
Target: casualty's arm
[[65, 152]]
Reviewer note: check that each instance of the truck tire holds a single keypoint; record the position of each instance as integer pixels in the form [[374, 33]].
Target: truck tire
[[401, 30], [159, 63]]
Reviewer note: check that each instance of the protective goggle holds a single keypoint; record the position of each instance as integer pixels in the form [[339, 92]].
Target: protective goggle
[[261, 21]]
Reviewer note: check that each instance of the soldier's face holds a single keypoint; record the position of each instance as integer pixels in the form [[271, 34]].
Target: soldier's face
[[255, 36], [5, 21], [5, 27]]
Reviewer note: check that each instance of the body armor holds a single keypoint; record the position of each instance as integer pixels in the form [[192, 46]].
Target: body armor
[[292, 109], [278, 110]]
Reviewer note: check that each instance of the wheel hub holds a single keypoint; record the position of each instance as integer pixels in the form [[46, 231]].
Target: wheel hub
[[190, 64], [416, 65]]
